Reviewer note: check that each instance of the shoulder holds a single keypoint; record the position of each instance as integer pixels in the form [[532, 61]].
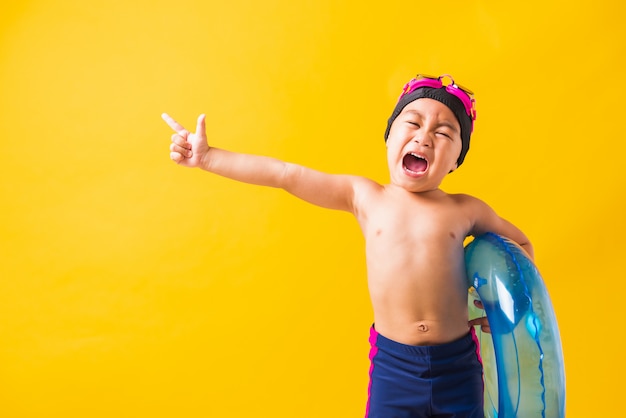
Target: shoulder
[[365, 188], [467, 200], [475, 209], [359, 188]]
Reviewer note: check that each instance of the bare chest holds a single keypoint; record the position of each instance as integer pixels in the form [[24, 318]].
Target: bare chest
[[416, 221]]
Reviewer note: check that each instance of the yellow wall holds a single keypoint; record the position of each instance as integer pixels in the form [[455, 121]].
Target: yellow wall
[[130, 287]]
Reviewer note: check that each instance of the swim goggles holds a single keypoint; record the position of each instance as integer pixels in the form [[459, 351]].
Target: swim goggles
[[466, 96]]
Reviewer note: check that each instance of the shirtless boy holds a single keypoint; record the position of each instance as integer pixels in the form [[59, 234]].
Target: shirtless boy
[[424, 354]]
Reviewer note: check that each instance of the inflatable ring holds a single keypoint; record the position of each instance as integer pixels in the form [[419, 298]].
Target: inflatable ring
[[522, 357]]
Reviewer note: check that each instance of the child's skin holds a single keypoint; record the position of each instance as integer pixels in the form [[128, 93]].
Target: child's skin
[[414, 231]]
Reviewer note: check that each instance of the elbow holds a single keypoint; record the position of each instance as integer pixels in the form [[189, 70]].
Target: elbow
[[287, 177], [528, 247]]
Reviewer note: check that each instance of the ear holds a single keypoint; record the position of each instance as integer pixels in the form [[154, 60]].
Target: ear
[[454, 167]]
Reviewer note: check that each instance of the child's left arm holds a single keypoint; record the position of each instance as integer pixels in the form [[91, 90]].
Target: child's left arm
[[485, 219]]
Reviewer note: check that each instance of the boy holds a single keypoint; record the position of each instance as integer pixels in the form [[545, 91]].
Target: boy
[[424, 358]]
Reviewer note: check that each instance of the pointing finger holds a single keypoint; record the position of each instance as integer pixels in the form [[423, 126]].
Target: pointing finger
[[173, 124]]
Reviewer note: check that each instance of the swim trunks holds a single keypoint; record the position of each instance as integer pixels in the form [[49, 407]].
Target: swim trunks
[[409, 381]]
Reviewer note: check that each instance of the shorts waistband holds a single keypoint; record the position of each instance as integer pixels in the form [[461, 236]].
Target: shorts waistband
[[440, 350]]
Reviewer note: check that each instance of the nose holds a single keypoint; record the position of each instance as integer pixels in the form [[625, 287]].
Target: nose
[[424, 139]]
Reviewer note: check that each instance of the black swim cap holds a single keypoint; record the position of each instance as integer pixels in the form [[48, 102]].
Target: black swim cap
[[450, 100]]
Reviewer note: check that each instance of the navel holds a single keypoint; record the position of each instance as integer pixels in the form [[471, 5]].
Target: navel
[[422, 328]]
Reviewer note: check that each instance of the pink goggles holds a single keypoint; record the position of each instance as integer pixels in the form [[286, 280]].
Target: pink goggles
[[466, 96]]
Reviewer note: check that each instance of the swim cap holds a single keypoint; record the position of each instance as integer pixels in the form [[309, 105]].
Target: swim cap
[[450, 100]]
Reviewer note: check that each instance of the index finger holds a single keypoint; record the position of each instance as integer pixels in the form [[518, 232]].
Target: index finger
[[173, 124]]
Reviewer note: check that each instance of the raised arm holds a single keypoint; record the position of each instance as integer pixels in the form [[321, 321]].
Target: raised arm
[[322, 189]]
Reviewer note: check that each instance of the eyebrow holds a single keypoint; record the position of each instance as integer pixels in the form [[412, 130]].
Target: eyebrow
[[444, 122]]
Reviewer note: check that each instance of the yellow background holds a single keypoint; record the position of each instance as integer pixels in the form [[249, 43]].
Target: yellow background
[[130, 287]]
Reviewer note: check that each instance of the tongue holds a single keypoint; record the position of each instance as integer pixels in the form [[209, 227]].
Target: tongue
[[414, 163]]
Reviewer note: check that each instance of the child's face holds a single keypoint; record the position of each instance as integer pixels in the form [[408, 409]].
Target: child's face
[[423, 146]]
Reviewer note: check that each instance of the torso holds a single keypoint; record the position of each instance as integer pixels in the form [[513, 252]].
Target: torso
[[415, 263]]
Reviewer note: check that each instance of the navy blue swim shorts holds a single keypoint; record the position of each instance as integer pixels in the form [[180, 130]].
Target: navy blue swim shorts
[[409, 381]]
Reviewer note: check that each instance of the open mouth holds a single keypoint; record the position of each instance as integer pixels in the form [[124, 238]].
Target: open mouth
[[414, 163]]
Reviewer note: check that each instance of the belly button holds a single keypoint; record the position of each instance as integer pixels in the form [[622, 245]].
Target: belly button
[[422, 327]]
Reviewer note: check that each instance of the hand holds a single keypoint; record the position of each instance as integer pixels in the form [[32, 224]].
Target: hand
[[482, 321], [188, 149]]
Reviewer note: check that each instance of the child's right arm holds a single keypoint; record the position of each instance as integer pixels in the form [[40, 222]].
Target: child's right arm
[[326, 190]]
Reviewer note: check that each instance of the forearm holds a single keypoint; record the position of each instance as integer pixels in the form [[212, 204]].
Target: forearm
[[246, 168], [514, 233]]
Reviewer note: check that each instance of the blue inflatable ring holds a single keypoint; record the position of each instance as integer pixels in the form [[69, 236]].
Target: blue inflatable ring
[[522, 357]]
